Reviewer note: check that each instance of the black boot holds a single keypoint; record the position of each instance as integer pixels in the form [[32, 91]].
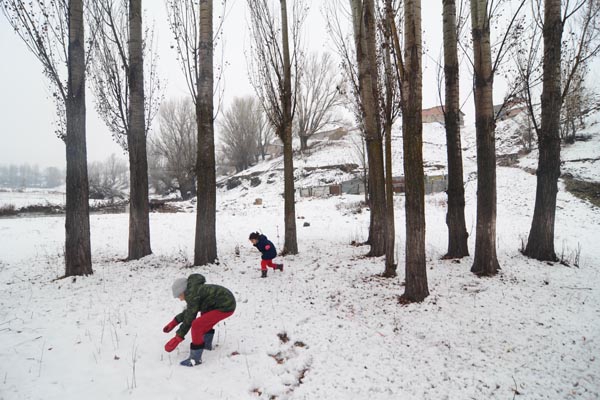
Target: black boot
[[263, 273], [208, 339], [279, 267], [195, 357]]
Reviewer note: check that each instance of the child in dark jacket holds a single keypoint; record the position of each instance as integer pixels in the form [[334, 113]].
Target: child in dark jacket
[[214, 302], [267, 248]]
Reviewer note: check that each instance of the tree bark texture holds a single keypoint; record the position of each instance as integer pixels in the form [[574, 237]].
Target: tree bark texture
[[78, 258], [139, 210], [205, 249], [540, 244], [412, 131], [485, 260], [455, 217], [390, 238], [290, 245], [304, 143], [364, 23]]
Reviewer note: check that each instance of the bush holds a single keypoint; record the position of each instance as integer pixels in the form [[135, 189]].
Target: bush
[[7, 210]]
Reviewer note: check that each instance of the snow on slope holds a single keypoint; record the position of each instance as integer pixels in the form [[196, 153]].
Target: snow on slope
[[580, 159], [345, 151]]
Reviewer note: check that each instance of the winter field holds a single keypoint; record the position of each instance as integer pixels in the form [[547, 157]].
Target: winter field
[[327, 327]]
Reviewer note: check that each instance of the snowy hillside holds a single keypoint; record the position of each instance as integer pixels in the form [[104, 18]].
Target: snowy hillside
[[580, 159], [335, 161], [327, 327]]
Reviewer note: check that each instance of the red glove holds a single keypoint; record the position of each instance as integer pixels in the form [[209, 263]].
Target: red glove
[[169, 327], [171, 344]]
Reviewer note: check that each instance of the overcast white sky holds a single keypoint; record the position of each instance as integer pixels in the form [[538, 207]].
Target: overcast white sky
[[27, 112]]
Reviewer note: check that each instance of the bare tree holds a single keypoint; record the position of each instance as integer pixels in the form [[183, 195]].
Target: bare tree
[[53, 177], [390, 105], [158, 177], [26, 175], [386, 109], [78, 252], [139, 206], [540, 244], [409, 67], [455, 217], [265, 134], [108, 179], [541, 237], [557, 70], [192, 26], [335, 12], [580, 47], [240, 132], [359, 148], [483, 14], [125, 100], [54, 33], [271, 75], [205, 249], [176, 144], [576, 103], [364, 27], [318, 96], [110, 65], [486, 260]]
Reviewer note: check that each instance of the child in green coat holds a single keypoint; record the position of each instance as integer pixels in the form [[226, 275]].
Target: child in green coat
[[214, 302]]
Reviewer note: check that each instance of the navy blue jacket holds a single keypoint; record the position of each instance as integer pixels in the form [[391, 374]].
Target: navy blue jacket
[[266, 247]]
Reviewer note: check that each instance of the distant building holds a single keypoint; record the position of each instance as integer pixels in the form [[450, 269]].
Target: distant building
[[274, 149], [510, 109], [436, 114], [333, 134], [433, 184]]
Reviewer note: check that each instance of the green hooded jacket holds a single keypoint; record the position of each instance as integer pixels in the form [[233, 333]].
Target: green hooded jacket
[[202, 297]]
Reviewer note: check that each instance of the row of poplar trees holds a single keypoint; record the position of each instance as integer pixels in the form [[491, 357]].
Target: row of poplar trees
[[54, 32], [272, 77], [407, 68], [376, 78]]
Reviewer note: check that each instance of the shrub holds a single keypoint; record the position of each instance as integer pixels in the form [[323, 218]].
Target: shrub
[[7, 210]]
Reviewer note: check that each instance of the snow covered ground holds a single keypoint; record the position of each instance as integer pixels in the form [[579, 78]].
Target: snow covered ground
[[328, 327], [32, 197]]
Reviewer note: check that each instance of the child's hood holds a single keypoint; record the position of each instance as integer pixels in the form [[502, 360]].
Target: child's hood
[[195, 280]]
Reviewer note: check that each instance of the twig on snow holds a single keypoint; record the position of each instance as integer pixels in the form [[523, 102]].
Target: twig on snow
[[41, 359], [576, 288], [27, 341], [515, 390]]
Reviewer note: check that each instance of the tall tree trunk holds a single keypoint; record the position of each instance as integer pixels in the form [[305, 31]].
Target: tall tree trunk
[[540, 244], [363, 14], [187, 187], [303, 143], [412, 132], [290, 245], [485, 261], [390, 238], [455, 218], [78, 256], [205, 250], [139, 209]]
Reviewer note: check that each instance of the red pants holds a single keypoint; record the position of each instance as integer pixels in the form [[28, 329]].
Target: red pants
[[267, 263], [205, 323]]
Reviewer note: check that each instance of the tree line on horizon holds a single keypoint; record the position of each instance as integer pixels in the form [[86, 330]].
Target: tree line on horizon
[[381, 48], [21, 176]]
